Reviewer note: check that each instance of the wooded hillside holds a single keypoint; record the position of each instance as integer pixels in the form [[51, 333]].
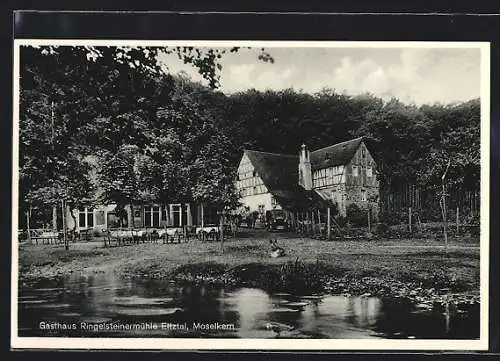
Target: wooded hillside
[[158, 137]]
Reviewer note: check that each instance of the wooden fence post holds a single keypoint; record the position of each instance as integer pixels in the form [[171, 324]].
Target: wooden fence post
[[222, 231], [369, 220], [328, 224], [319, 221], [409, 219]]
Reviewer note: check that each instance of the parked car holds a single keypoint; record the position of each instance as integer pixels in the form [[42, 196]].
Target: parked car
[[276, 220]]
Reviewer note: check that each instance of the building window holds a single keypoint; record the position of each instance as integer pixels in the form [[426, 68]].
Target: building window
[[152, 216], [369, 172], [116, 222], [86, 218], [177, 214], [164, 213], [273, 202], [249, 181], [354, 171], [320, 177], [363, 195]]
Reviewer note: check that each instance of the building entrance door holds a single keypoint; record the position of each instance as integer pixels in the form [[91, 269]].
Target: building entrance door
[[177, 215]]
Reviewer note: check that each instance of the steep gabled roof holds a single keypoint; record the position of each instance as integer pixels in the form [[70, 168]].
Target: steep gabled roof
[[334, 155], [276, 170], [279, 172]]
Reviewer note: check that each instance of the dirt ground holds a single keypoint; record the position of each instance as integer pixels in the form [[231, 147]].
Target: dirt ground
[[404, 259]]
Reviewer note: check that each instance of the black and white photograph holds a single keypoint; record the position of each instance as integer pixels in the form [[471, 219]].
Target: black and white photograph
[[264, 194]]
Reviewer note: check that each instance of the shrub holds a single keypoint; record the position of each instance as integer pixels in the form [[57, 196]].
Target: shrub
[[341, 221], [356, 215], [382, 228], [301, 278]]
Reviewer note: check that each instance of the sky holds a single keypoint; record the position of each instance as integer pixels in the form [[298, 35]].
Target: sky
[[413, 75]]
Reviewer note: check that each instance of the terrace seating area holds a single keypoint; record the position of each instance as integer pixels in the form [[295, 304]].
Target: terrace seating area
[[126, 236], [117, 237], [47, 236]]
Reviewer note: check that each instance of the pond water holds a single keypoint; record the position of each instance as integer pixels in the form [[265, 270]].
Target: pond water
[[105, 306]]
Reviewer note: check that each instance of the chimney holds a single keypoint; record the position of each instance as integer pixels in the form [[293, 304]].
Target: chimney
[[305, 175]]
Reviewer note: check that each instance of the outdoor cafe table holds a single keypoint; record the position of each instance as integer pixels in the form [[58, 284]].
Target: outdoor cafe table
[[46, 235], [122, 233], [170, 235], [169, 232], [207, 229], [128, 233]]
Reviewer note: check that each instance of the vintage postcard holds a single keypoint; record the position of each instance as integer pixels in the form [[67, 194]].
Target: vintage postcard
[[258, 195]]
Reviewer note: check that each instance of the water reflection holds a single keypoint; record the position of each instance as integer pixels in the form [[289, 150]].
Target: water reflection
[[251, 305], [105, 299]]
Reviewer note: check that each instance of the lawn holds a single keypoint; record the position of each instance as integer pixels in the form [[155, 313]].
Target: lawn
[[421, 260]]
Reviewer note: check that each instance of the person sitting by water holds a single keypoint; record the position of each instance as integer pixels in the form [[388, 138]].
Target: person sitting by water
[[276, 251]]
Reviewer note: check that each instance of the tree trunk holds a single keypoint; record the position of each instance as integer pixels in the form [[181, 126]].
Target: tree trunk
[[222, 232], [63, 211], [130, 217], [28, 225], [234, 226], [202, 224], [445, 221], [458, 220], [369, 221], [54, 218], [73, 216]]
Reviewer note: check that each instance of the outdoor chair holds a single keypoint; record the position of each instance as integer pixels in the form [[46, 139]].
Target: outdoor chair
[[44, 236], [172, 235], [108, 238], [189, 233], [139, 235], [86, 235], [202, 236], [154, 236], [213, 235], [118, 236]]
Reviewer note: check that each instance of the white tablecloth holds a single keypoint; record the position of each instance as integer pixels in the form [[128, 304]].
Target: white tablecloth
[[207, 229], [122, 233], [49, 234], [169, 231]]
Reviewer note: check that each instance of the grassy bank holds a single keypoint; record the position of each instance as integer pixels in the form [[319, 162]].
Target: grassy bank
[[381, 266]]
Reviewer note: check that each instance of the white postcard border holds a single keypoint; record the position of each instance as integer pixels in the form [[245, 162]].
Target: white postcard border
[[261, 344]]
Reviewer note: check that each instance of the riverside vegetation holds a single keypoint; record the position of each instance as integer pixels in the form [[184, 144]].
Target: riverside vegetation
[[416, 269]]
